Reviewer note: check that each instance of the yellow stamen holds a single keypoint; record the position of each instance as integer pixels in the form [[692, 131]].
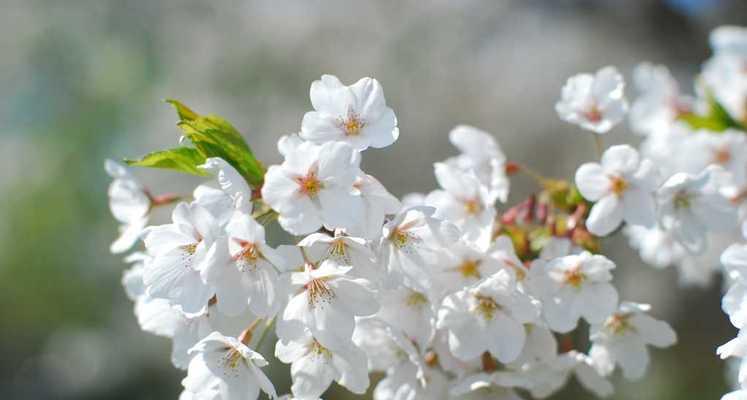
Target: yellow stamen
[[574, 277], [470, 269], [309, 185], [486, 306], [618, 185], [318, 291], [472, 207], [416, 299]]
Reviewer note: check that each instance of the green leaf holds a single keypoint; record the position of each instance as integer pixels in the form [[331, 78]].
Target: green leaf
[[183, 159], [717, 119], [213, 136]]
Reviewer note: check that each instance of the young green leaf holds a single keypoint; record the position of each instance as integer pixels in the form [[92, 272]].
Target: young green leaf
[[717, 119], [213, 136], [183, 159]]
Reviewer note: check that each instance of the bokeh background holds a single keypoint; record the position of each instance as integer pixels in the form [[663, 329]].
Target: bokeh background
[[81, 81]]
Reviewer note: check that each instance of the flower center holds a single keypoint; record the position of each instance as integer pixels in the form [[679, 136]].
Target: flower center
[[309, 185], [416, 299], [593, 114], [470, 269], [319, 291], [232, 358], [319, 350], [681, 200], [472, 207], [574, 277], [338, 251], [249, 253], [722, 156], [190, 249], [486, 306], [400, 237], [619, 324], [618, 185], [353, 124]]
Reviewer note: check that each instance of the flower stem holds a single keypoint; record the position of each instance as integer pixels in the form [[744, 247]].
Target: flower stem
[[599, 144]]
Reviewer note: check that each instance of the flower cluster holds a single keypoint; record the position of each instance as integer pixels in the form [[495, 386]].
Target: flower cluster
[[681, 194], [449, 294]]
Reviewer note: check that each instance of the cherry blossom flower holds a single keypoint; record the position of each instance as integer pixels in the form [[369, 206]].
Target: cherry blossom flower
[[129, 203], [412, 243], [595, 102], [577, 286], [250, 276], [326, 302], [313, 188], [482, 155], [225, 367], [623, 339], [315, 365], [464, 201], [487, 317], [231, 182], [377, 204], [344, 250], [690, 205], [622, 188], [660, 101], [181, 251], [355, 114]]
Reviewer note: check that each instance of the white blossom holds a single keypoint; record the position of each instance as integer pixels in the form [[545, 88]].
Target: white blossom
[[595, 102], [577, 286], [326, 301], [690, 205], [622, 188], [315, 365], [623, 339], [226, 368], [181, 251], [313, 187], [129, 203], [355, 114], [487, 317]]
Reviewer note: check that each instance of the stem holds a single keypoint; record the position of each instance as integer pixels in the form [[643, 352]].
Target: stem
[[599, 144], [541, 180]]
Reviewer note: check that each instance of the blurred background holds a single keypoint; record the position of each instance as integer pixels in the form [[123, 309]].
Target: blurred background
[[81, 81]]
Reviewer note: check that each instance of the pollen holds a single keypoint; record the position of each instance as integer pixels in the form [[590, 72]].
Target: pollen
[[319, 291], [470, 269], [190, 248], [574, 277], [472, 207], [310, 185], [486, 306], [618, 185]]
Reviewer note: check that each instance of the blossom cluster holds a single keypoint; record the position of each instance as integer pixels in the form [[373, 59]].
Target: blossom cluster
[[681, 194], [450, 294]]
